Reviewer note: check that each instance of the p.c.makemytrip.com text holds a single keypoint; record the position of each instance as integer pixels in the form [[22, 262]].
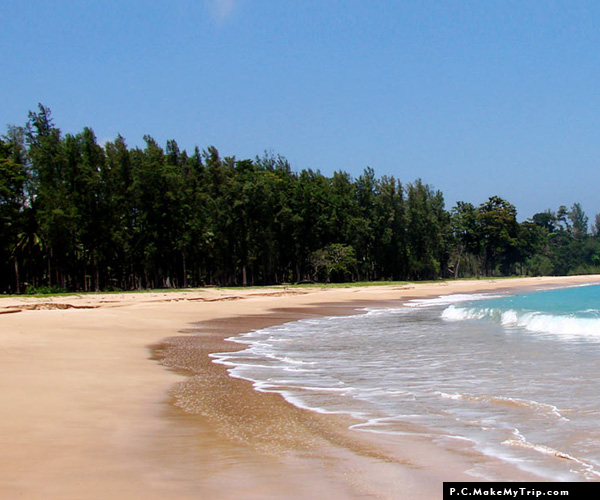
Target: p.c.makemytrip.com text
[[511, 492], [570, 489]]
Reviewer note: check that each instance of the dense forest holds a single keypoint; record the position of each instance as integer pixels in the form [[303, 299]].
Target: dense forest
[[79, 216]]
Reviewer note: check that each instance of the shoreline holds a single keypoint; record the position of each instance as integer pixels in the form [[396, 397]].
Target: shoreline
[[84, 410]]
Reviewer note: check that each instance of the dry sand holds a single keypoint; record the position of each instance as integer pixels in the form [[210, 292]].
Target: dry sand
[[114, 397]]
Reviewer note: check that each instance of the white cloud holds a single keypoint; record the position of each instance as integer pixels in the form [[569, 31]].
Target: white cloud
[[222, 9]]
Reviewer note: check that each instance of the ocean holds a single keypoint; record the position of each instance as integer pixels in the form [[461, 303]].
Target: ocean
[[516, 376]]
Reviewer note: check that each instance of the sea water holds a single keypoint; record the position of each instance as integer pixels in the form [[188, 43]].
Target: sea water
[[518, 376]]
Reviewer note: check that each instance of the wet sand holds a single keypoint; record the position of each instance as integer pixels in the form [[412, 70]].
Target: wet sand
[[114, 396]]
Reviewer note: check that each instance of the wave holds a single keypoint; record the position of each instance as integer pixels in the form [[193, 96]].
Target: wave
[[518, 440], [544, 409], [450, 299], [570, 325]]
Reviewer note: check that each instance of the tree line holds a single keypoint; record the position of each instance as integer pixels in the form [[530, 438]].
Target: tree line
[[80, 216]]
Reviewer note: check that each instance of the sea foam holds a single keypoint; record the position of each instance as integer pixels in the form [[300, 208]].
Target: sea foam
[[461, 366], [568, 326]]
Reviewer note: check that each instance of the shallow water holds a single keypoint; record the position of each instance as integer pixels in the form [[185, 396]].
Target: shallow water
[[518, 376]]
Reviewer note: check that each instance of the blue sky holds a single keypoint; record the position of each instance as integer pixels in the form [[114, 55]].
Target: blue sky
[[477, 98]]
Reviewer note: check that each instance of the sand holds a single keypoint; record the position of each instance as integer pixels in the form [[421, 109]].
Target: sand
[[113, 396]]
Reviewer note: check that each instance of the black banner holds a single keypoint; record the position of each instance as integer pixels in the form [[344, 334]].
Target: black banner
[[570, 490]]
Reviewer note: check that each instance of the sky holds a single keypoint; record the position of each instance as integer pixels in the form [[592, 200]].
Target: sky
[[476, 98]]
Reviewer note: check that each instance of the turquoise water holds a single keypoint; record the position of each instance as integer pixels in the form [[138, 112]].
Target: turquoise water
[[516, 376], [581, 301], [570, 312]]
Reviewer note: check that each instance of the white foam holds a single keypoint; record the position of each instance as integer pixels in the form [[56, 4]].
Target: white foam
[[449, 299], [383, 426], [384, 311], [509, 317], [568, 326], [453, 313], [383, 367], [544, 409], [288, 360], [520, 441], [454, 396]]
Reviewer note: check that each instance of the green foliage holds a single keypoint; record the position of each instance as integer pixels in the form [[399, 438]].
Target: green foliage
[[43, 290], [538, 265], [336, 262], [579, 221], [78, 216], [427, 225], [465, 240], [499, 235]]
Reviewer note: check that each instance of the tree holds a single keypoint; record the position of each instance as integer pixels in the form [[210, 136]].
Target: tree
[[55, 212], [428, 228], [533, 250], [85, 161], [546, 220], [335, 262], [467, 235], [579, 221], [499, 234], [390, 250], [562, 216], [569, 247], [312, 218], [13, 178], [596, 226], [363, 223]]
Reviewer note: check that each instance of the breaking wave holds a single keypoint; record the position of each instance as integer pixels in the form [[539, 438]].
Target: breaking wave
[[570, 325]]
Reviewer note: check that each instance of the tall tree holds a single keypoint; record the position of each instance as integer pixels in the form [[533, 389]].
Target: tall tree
[[499, 233], [579, 221], [391, 253], [13, 178], [56, 213], [428, 228], [466, 232]]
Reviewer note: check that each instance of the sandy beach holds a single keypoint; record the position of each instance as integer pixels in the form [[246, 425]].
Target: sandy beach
[[113, 396]]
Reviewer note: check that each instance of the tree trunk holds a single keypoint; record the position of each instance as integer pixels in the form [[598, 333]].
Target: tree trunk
[[457, 268], [185, 284], [17, 280]]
